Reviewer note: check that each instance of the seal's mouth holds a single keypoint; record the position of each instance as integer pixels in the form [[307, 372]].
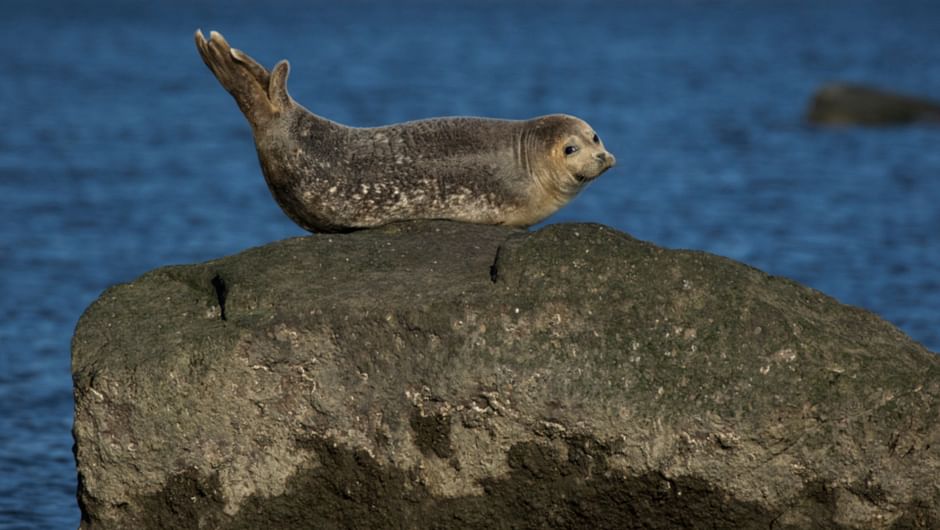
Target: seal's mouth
[[605, 161]]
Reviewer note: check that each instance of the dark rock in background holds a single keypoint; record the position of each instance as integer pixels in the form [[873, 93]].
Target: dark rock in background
[[441, 375], [849, 104]]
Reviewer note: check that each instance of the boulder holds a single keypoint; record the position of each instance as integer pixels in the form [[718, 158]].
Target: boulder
[[849, 104], [444, 375]]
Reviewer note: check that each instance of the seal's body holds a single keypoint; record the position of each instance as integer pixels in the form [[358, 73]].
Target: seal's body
[[329, 177]]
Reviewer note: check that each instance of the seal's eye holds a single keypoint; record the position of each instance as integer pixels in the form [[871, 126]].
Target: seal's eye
[[570, 149], [596, 139]]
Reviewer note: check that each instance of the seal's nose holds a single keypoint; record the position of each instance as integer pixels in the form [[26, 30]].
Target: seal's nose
[[607, 158]]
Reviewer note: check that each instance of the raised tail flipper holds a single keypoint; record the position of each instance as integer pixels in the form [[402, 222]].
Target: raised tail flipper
[[260, 95]]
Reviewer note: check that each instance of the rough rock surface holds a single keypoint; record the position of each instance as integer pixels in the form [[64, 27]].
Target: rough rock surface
[[440, 375], [849, 104]]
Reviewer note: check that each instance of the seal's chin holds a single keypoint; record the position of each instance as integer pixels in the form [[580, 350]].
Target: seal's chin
[[584, 178]]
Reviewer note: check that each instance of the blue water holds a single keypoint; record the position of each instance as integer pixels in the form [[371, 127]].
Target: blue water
[[120, 153]]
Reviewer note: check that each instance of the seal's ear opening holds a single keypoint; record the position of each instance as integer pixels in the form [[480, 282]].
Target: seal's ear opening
[[277, 90]]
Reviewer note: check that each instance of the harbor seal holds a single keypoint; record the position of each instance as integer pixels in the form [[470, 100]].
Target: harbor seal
[[328, 177]]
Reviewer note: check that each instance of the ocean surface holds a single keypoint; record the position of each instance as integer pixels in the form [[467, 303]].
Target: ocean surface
[[120, 153]]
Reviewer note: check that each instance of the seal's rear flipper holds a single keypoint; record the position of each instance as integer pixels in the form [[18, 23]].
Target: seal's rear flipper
[[259, 72], [259, 94], [277, 89]]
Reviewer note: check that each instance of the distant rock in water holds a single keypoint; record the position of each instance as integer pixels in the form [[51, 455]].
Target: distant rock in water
[[445, 375], [847, 104]]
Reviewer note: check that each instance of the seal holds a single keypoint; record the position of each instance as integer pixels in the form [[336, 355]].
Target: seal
[[328, 177]]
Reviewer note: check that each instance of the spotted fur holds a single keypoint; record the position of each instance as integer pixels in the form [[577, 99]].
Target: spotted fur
[[329, 177]]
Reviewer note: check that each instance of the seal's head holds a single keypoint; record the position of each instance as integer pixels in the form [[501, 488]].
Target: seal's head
[[574, 152], [583, 151]]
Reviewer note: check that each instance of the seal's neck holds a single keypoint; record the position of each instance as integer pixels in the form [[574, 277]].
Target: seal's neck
[[547, 186], [546, 168]]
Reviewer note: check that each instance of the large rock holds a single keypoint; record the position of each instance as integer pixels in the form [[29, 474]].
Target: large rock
[[439, 375], [850, 104]]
